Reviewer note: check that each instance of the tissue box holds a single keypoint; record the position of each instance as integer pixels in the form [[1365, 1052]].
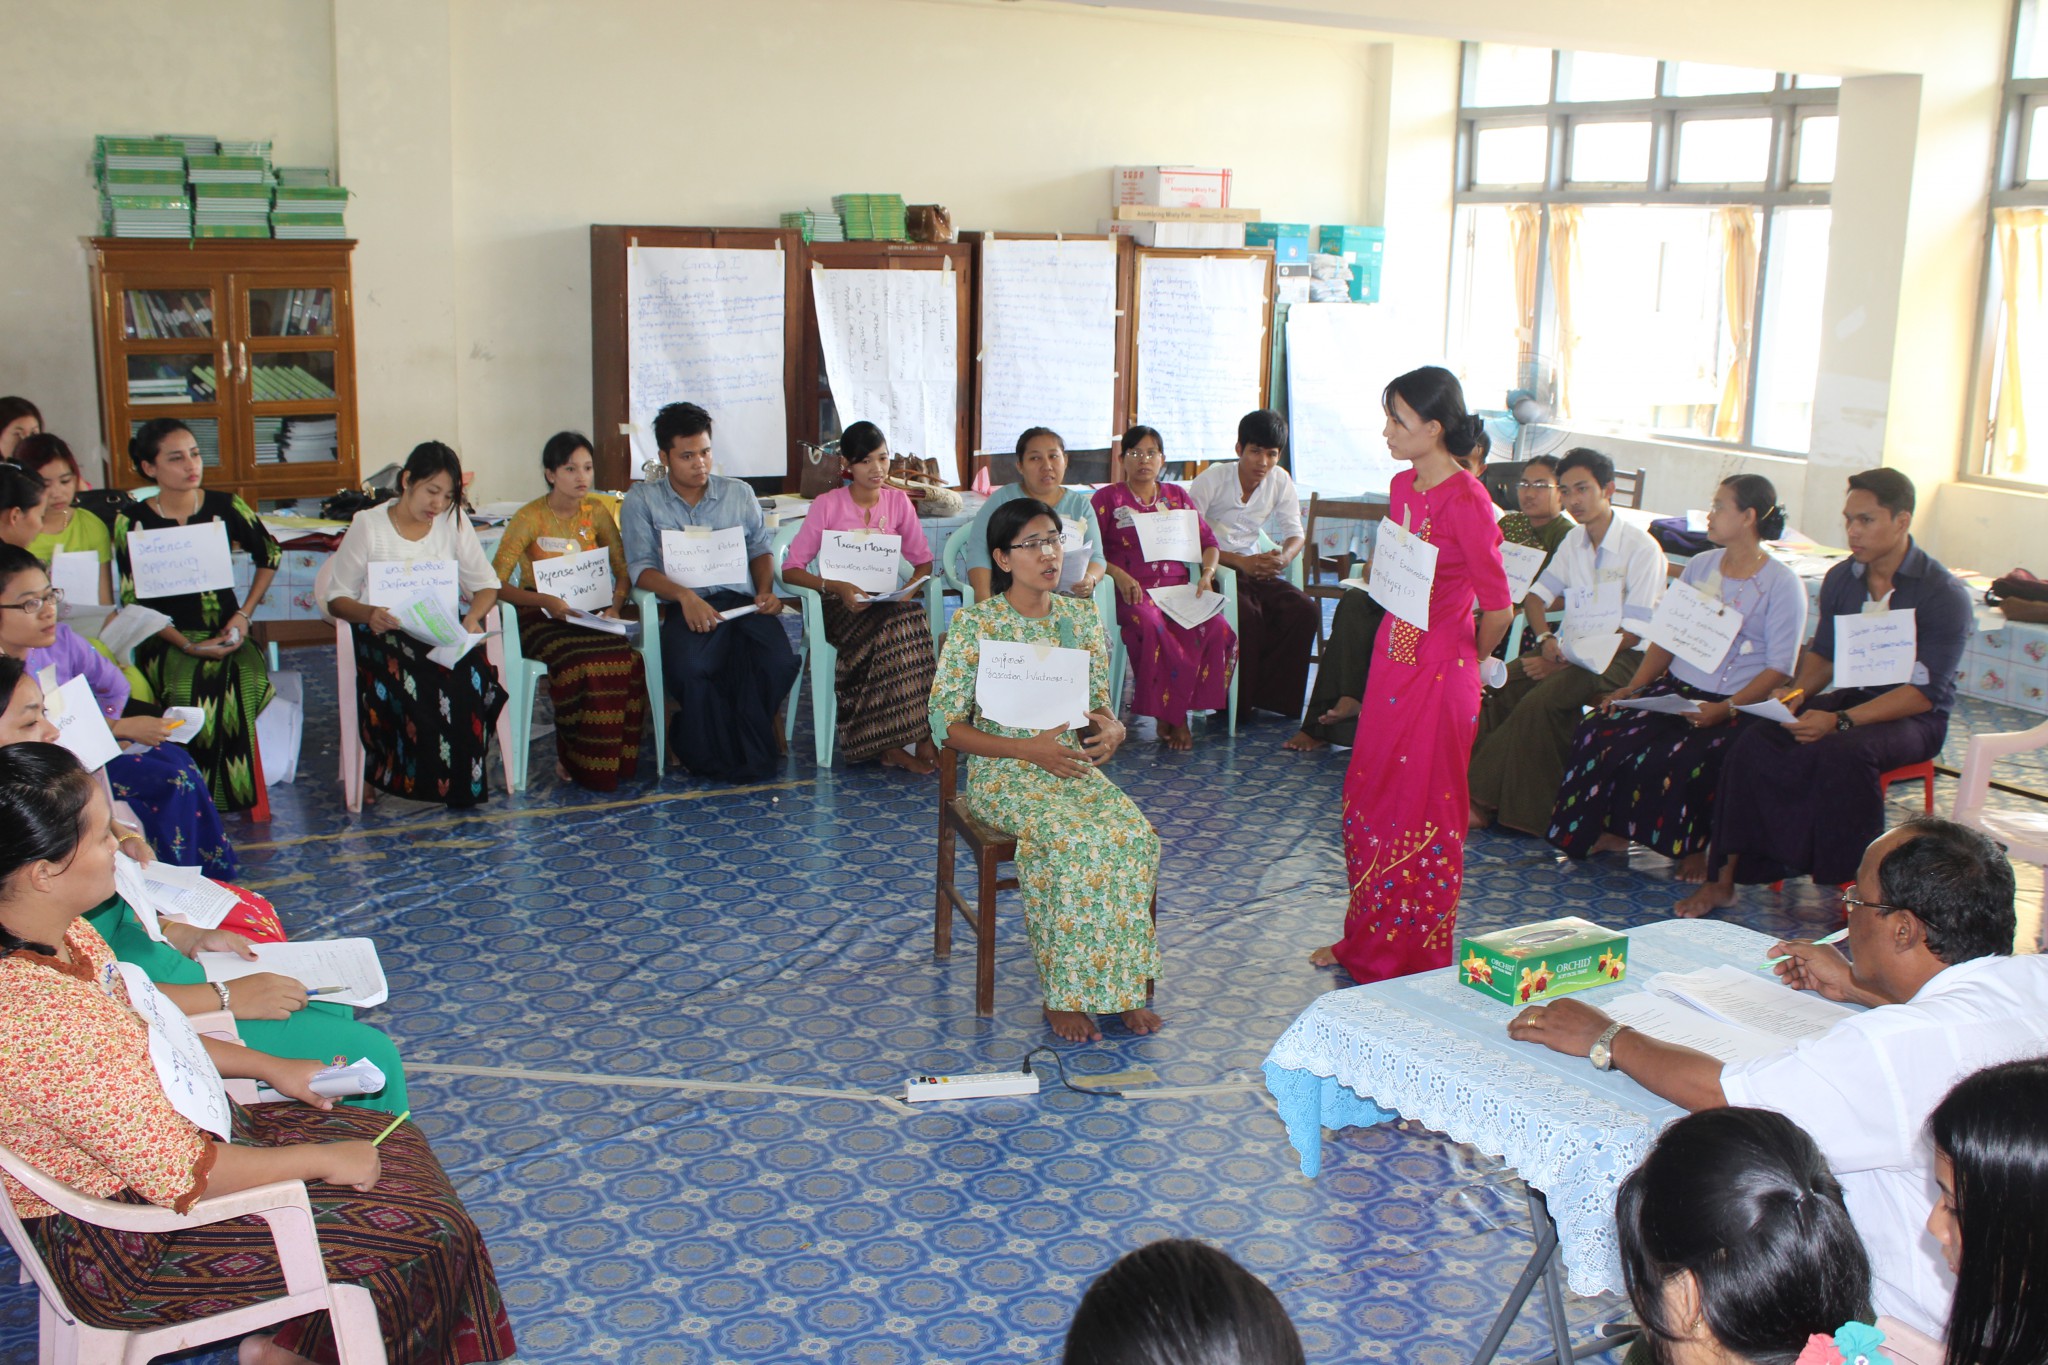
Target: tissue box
[[1542, 961]]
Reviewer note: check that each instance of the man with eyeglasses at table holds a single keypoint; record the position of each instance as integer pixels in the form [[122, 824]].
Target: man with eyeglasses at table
[[1339, 692], [1931, 929]]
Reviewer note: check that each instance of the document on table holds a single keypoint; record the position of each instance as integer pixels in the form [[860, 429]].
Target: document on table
[[1695, 627], [1876, 649], [870, 560], [173, 561], [1523, 563], [350, 963], [1770, 708], [700, 558], [1403, 573], [188, 894], [1030, 686], [81, 727], [1735, 996], [1664, 704], [1168, 536], [1187, 604], [1668, 1021], [186, 1071], [583, 580]]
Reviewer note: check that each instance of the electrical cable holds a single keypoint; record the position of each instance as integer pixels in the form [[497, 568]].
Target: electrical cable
[[1060, 1065]]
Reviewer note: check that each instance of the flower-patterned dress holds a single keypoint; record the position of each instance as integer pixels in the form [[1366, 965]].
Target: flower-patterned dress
[[1087, 858]]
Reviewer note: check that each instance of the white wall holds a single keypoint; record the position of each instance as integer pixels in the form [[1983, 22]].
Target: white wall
[[237, 68]]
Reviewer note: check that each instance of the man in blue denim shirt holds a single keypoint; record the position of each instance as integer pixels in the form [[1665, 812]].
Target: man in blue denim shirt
[[727, 675], [1804, 797]]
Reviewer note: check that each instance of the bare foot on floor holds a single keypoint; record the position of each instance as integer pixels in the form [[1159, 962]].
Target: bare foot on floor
[[1693, 868], [1710, 897], [561, 771], [929, 752], [910, 763], [1073, 1026], [1177, 737], [1345, 709], [1479, 817], [1323, 957], [1305, 743], [1608, 843], [264, 1350], [1141, 1021]]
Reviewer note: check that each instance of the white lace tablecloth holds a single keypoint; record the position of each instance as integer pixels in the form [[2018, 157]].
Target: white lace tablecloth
[[1431, 1049]]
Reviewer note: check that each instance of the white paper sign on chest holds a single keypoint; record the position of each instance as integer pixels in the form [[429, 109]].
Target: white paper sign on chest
[[186, 1071], [583, 580], [81, 726], [1593, 608], [1032, 686], [1695, 627], [76, 574], [870, 560], [1168, 537], [703, 558], [1876, 649], [1403, 573], [175, 560], [391, 583], [1523, 563]]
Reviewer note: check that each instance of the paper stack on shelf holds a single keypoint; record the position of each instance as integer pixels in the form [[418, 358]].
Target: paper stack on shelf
[[871, 217], [303, 175], [296, 440], [195, 144], [257, 147], [228, 170], [134, 215], [136, 154], [815, 226], [167, 383], [305, 212], [142, 187], [306, 313], [230, 209], [143, 184]]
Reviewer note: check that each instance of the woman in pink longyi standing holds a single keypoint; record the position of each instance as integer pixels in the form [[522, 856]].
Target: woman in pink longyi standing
[[1405, 809]]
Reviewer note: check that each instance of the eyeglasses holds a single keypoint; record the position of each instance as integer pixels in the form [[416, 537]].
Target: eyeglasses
[[1041, 545], [1851, 901], [49, 597], [1526, 486]]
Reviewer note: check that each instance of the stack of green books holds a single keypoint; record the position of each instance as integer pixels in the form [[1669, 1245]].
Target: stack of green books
[[283, 383], [230, 210], [815, 226], [133, 215], [303, 175], [141, 181], [871, 217], [195, 144], [144, 184], [257, 147], [309, 212], [228, 170], [136, 154]]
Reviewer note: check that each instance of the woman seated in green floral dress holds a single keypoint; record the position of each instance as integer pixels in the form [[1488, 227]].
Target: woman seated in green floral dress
[[1087, 859]]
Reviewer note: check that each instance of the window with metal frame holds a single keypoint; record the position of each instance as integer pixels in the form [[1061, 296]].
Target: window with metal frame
[[2010, 404]]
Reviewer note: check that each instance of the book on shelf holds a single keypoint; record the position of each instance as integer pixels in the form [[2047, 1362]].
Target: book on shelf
[[252, 170], [195, 144], [164, 315], [815, 226], [302, 177]]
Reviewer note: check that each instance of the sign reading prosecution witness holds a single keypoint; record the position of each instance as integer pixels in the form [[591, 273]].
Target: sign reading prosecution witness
[[870, 560], [698, 558]]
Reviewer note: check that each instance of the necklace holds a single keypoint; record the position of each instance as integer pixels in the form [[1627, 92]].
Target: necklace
[[1158, 492]]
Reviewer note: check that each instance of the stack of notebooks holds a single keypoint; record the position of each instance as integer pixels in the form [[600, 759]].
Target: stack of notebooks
[[871, 217], [816, 227], [142, 187], [303, 175], [165, 383], [282, 383], [309, 212], [230, 209], [296, 440], [195, 144]]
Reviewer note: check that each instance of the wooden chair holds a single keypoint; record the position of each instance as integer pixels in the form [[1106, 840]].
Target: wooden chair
[[1628, 488], [1314, 561], [990, 847]]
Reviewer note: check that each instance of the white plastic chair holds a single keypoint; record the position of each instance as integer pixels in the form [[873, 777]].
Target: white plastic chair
[[350, 720], [65, 1338], [2024, 833]]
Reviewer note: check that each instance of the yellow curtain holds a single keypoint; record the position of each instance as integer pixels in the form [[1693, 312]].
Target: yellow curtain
[[2023, 343], [1564, 270], [1525, 234], [1739, 247]]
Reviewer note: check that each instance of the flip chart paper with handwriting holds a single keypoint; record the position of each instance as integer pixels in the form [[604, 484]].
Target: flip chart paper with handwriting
[[1030, 686], [1403, 573], [705, 559], [190, 1080], [582, 580], [1876, 649], [1695, 627], [1168, 537], [870, 560], [391, 584], [174, 560]]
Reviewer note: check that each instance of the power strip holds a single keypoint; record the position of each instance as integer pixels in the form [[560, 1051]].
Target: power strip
[[983, 1086]]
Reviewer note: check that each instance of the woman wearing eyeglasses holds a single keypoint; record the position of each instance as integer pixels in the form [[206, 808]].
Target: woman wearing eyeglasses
[[1087, 858], [158, 780]]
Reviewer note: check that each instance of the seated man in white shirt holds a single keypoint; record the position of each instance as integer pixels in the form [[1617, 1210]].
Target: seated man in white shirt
[[1276, 621], [1609, 575], [1931, 928]]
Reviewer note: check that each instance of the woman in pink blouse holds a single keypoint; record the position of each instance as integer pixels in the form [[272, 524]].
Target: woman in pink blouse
[[1177, 670], [886, 661], [1405, 793]]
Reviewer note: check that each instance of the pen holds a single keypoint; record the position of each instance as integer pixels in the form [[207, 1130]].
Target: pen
[[174, 722], [1789, 697], [327, 990], [1835, 937], [378, 1140]]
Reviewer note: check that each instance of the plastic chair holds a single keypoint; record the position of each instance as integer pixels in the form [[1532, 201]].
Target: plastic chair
[[819, 655], [2024, 833], [521, 677], [1922, 773], [358, 1338]]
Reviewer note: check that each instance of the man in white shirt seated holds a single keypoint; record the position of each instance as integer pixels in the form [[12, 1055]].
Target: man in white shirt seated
[[1609, 575], [1931, 929], [1276, 621]]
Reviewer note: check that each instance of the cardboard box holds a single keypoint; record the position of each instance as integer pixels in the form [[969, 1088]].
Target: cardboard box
[[1363, 248], [1542, 961], [1197, 187], [1176, 234], [1290, 241]]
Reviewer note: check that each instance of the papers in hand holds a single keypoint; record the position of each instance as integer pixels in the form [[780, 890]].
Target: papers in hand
[[130, 886], [191, 720], [186, 893], [129, 627], [1770, 708], [734, 613], [81, 727], [1168, 536], [76, 573], [1876, 649], [1663, 704], [1075, 555], [698, 558], [1695, 627], [609, 624], [1403, 573], [896, 594], [870, 560], [1523, 563], [350, 963], [1186, 604], [430, 620], [583, 580], [190, 1080], [172, 561], [1726, 1012], [1032, 687]]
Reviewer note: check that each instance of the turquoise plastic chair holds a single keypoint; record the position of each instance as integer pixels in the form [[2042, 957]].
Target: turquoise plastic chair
[[953, 561], [1514, 650], [520, 677], [149, 491], [821, 658]]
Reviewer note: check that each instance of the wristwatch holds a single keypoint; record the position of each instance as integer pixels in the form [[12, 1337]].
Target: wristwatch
[[1601, 1054], [1844, 721], [1546, 636]]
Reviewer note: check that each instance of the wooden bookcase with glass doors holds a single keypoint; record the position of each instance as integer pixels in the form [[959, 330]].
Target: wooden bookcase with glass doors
[[249, 343]]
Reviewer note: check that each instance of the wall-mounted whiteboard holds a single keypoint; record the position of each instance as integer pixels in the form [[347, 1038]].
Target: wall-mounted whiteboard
[[1201, 348], [1048, 341], [704, 325], [1339, 359], [891, 343]]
